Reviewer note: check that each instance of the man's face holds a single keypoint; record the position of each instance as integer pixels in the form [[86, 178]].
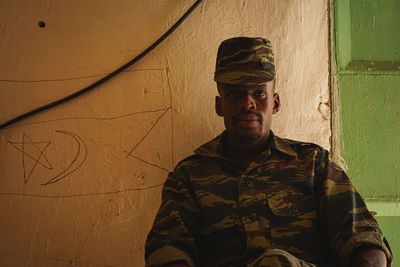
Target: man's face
[[247, 110]]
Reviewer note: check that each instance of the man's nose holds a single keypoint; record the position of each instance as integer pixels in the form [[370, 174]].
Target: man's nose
[[247, 103]]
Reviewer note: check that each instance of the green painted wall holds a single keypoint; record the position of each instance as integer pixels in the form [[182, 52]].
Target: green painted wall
[[366, 96], [370, 113]]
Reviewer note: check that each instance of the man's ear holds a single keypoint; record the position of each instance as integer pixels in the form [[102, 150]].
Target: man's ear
[[277, 104], [218, 108]]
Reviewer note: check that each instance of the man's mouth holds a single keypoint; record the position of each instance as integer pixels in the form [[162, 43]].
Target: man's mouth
[[248, 117], [247, 123], [247, 120]]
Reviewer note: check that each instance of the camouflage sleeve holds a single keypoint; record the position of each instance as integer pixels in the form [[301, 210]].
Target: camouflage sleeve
[[171, 239], [345, 216]]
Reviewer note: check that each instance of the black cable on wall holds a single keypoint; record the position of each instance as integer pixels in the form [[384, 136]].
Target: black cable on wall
[[106, 78]]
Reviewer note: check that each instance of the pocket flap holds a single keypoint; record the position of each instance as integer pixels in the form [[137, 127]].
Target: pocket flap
[[289, 203]]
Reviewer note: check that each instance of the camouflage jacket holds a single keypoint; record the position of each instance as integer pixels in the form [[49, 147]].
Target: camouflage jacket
[[214, 212]]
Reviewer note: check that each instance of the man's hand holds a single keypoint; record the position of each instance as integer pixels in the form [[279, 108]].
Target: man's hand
[[368, 256]]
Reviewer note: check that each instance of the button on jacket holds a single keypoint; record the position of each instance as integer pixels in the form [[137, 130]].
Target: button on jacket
[[215, 212]]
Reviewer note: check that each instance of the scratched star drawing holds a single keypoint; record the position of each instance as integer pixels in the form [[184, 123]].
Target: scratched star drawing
[[33, 154]]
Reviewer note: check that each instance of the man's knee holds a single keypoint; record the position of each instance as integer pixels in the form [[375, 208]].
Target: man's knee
[[279, 258]]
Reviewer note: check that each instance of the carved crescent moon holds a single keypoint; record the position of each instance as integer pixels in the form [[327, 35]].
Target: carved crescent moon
[[75, 163]]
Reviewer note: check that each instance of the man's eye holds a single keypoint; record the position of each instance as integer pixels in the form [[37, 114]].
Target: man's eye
[[235, 95], [260, 93]]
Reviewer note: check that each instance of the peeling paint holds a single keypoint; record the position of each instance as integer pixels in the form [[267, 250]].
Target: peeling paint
[[324, 110]]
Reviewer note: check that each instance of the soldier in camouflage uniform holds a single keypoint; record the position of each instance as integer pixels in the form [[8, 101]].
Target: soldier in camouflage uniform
[[250, 198]]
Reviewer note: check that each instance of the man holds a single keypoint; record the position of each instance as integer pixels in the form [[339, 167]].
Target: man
[[250, 198]]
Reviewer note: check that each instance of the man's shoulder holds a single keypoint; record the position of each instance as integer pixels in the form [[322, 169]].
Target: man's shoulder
[[301, 144], [195, 166], [193, 161], [301, 148]]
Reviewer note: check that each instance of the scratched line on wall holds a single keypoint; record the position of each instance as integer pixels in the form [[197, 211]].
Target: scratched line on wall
[[36, 150]]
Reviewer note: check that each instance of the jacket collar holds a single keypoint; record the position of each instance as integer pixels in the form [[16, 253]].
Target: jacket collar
[[282, 145], [215, 147]]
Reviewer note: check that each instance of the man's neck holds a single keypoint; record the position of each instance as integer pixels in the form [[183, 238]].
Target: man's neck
[[244, 152]]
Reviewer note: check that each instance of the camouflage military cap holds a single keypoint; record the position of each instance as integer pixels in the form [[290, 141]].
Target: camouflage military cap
[[245, 61]]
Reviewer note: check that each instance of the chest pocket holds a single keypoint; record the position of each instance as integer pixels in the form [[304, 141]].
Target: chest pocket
[[288, 203], [293, 221]]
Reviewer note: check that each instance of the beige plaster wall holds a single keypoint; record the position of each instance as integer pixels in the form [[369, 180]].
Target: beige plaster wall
[[80, 184]]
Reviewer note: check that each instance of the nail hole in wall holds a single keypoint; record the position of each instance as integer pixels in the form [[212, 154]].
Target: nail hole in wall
[[42, 24]]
